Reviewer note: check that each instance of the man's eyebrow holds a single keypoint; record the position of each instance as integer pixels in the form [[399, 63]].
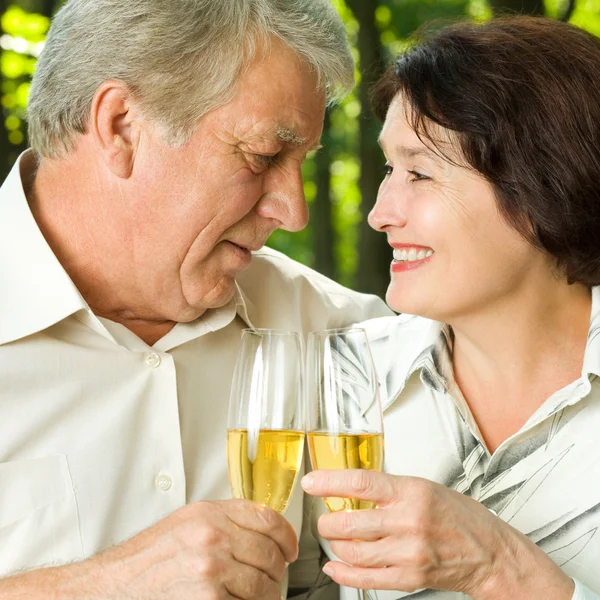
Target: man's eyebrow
[[289, 136]]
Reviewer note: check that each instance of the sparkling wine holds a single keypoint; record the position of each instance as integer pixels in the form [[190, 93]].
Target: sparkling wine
[[346, 451], [265, 469]]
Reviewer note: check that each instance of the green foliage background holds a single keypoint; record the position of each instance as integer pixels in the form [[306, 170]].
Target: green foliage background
[[25, 23]]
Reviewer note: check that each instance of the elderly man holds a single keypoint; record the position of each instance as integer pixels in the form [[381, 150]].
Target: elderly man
[[168, 139]]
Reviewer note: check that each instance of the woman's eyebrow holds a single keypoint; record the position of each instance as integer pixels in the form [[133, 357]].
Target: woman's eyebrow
[[413, 152]]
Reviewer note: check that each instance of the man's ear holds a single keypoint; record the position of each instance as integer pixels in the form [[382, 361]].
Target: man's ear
[[114, 126]]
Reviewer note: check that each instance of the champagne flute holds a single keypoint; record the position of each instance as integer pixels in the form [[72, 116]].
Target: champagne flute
[[265, 437], [343, 411]]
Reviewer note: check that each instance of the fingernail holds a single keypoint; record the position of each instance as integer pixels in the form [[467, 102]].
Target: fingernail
[[307, 481], [327, 569]]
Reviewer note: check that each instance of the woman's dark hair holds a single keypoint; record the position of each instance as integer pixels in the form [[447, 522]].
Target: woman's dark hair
[[522, 95]]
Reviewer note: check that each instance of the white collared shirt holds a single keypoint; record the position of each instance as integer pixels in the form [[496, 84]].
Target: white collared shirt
[[102, 435], [544, 480]]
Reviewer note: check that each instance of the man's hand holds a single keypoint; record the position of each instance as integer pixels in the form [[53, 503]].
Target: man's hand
[[424, 535], [208, 550]]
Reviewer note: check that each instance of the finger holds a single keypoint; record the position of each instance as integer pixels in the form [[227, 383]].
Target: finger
[[247, 583], [255, 517], [259, 551], [366, 525], [365, 554], [391, 578], [380, 488]]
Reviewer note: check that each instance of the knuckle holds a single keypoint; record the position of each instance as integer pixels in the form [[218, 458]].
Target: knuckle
[[240, 504], [419, 524], [355, 553], [265, 515], [347, 522], [366, 582], [273, 559], [360, 481], [423, 560], [347, 552], [209, 536], [262, 585], [198, 513], [207, 567], [197, 510], [183, 515]]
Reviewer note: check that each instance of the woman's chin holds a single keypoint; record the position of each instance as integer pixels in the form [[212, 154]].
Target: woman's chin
[[403, 301], [412, 303]]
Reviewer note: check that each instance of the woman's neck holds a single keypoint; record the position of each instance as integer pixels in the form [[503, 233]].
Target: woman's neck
[[508, 361]]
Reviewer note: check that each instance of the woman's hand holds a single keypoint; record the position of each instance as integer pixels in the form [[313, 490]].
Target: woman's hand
[[424, 535]]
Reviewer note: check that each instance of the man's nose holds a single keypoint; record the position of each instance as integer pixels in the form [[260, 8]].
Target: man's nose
[[284, 200]]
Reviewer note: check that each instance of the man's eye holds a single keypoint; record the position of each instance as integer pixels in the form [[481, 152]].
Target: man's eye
[[416, 176]]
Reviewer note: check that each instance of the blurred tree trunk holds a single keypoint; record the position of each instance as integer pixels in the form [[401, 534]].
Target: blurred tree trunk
[[569, 10], [375, 254], [321, 213], [48, 7], [530, 7]]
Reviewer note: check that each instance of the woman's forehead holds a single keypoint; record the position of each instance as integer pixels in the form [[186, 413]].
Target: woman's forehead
[[411, 133]]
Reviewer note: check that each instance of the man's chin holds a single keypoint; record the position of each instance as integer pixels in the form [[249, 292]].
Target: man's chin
[[215, 297]]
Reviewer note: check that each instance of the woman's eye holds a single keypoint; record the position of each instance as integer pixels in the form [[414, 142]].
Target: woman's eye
[[416, 176], [388, 169]]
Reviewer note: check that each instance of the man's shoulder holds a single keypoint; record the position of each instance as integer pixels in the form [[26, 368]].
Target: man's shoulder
[[271, 266], [403, 327], [274, 284], [396, 343]]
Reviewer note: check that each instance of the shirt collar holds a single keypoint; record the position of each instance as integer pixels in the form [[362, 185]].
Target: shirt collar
[[243, 305], [36, 290], [212, 320]]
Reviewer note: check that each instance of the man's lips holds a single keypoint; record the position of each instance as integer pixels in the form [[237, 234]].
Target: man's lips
[[251, 247]]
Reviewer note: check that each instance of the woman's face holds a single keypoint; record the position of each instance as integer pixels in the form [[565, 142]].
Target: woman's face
[[454, 255]]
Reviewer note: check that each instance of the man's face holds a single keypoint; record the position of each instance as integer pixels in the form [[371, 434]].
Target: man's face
[[198, 210]]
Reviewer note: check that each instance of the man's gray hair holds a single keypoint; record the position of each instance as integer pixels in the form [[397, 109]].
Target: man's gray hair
[[180, 58]]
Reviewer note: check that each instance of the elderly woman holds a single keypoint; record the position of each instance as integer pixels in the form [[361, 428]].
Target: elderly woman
[[491, 204]]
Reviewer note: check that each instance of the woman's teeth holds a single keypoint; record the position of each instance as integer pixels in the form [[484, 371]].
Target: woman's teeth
[[411, 255]]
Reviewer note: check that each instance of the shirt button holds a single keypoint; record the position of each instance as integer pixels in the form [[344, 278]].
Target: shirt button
[[164, 482], [152, 360]]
